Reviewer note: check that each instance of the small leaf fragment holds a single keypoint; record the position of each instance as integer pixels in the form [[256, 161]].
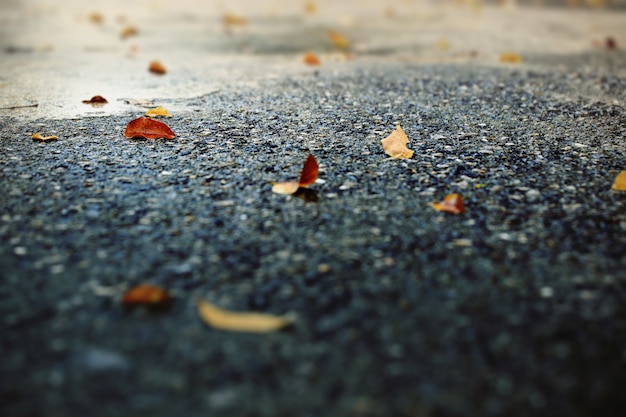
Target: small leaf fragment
[[310, 58], [129, 31], [285, 187], [452, 203], [394, 145], [620, 182], [96, 101], [511, 58], [148, 295], [157, 68], [144, 127], [158, 112], [241, 321], [338, 40], [310, 171], [232, 19], [310, 7], [40, 138]]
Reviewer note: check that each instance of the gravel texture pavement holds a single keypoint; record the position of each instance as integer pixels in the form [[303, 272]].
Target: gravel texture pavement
[[516, 307]]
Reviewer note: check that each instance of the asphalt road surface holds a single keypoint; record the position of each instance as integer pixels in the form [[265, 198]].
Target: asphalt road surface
[[515, 307]]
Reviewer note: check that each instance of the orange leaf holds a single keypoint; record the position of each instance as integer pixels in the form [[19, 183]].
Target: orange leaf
[[128, 31], [620, 182], [146, 295], [158, 111], [310, 7], [241, 322], [394, 145], [308, 176], [157, 68], [96, 100], [310, 58], [144, 127], [338, 40], [511, 58], [232, 19], [453, 203], [40, 138]]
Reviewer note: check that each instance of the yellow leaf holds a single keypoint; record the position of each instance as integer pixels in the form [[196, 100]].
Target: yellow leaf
[[241, 322], [394, 145], [40, 138], [310, 7], [511, 58], [338, 40], [285, 187], [158, 111], [620, 182]]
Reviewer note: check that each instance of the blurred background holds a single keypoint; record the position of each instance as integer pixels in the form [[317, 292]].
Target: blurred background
[[56, 54]]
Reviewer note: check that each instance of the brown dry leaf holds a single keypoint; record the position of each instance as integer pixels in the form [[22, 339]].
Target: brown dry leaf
[[144, 127], [158, 112], [40, 138], [96, 17], [453, 203], [129, 31], [309, 173], [394, 145], [232, 19], [510, 58], [239, 321], [157, 68], [620, 182], [147, 295], [96, 101], [338, 40], [310, 58]]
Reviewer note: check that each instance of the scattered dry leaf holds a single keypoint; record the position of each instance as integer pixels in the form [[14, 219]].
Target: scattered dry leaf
[[453, 203], [232, 19], [96, 17], [96, 101], [511, 58], [610, 43], [40, 138], [158, 112], [147, 295], [443, 44], [144, 127], [338, 40], [129, 31], [157, 68], [308, 176], [241, 322], [310, 58], [620, 182], [310, 7], [394, 145]]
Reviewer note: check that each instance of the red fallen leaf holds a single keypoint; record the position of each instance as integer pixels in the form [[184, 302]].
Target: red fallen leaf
[[453, 203], [308, 176], [146, 295], [610, 43], [96, 100], [310, 58], [145, 127], [157, 68]]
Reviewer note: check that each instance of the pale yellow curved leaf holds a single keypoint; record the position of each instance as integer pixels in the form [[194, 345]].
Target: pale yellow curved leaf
[[239, 321], [620, 182], [394, 145]]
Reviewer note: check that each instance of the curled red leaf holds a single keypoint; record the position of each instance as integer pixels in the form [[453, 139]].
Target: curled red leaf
[[145, 127]]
